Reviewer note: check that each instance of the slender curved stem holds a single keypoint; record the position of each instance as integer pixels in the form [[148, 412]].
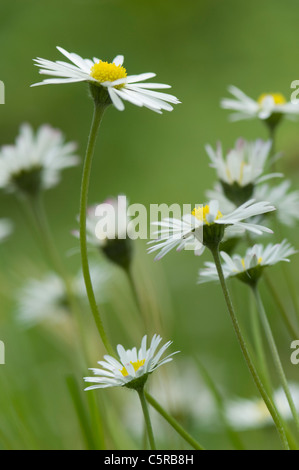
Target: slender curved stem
[[96, 121], [259, 347], [147, 418], [246, 354], [275, 354], [272, 136], [288, 322], [173, 422], [292, 289]]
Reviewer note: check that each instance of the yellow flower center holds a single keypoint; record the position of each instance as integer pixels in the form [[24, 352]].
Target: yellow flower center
[[136, 366], [278, 98], [201, 214], [107, 72]]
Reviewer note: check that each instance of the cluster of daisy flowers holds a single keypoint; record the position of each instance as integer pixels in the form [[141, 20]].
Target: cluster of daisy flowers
[[110, 84], [242, 197], [242, 201]]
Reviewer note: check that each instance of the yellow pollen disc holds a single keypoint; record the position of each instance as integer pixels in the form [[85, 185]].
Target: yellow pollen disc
[[259, 260], [136, 366], [278, 98], [107, 72], [201, 214]]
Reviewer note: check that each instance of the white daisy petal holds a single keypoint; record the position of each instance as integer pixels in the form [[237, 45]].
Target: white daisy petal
[[118, 60]]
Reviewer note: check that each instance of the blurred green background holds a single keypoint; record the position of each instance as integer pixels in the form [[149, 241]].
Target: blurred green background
[[199, 47]]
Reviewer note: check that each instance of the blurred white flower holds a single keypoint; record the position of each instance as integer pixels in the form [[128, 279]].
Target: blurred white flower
[[257, 256], [112, 77], [245, 414], [267, 105], [132, 366], [36, 160], [46, 298], [108, 229], [242, 165], [190, 231], [106, 221], [285, 201]]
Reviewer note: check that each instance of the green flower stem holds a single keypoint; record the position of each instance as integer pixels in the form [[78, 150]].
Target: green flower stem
[[26, 207], [259, 347], [246, 354], [272, 135], [176, 426], [96, 121], [147, 418], [292, 289], [49, 244], [288, 322], [132, 283], [142, 318], [275, 354]]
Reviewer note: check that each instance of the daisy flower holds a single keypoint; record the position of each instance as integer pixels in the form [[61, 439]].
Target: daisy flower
[[245, 414], [249, 267], [36, 160], [267, 105], [204, 226], [107, 221], [5, 229], [107, 229], [242, 165], [111, 77], [132, 368]]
